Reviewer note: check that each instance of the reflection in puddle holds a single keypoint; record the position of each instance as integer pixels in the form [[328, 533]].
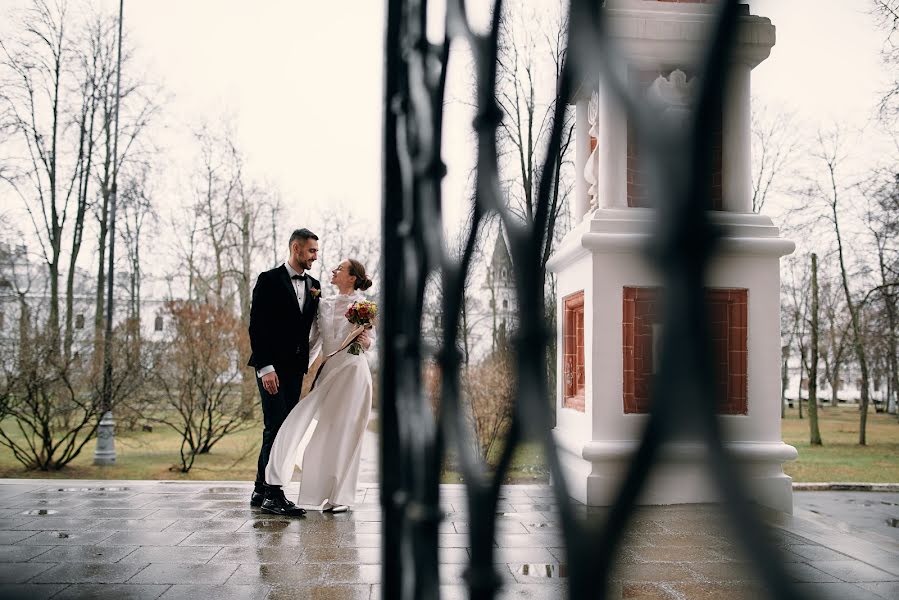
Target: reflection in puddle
[[272, 525], [893, 522], [224, 490], [545, 571], [41, 511]]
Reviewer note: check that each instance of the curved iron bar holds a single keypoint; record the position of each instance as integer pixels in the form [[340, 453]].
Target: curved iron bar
[[684, 243]]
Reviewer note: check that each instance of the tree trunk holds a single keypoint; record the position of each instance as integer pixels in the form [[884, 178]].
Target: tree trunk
[[889, 300], [857, 342], [801, 373], [834, 384], [784, 379], [814, 433]]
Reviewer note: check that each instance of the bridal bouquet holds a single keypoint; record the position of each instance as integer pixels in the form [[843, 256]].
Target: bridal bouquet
[[361, 314]]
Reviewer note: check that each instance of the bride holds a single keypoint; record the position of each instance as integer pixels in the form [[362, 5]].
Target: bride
[[340, 401]]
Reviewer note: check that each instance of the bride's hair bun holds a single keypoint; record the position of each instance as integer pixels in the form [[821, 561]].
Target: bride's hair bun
[[357, 270]]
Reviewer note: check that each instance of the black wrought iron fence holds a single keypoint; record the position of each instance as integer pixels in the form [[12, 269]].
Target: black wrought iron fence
[[414, 443]]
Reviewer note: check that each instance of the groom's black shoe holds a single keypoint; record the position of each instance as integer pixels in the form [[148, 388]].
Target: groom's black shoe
[[256, 499], [277, 504]]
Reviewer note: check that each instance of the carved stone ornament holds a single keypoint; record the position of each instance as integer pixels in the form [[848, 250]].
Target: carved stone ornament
[[674, 95], [590, 169]]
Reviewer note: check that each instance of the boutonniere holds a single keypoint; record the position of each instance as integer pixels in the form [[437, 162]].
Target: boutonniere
[[315, 292]]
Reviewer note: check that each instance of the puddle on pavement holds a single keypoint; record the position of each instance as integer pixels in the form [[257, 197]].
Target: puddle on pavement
[[224, 490], [271, 525], [543, 571], [893, 522], [41, 511]]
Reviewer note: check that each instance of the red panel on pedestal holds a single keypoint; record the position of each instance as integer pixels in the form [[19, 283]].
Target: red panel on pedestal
[[573, 372], [728, 310]]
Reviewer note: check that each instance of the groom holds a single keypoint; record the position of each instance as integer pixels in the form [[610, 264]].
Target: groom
[[285, 302]]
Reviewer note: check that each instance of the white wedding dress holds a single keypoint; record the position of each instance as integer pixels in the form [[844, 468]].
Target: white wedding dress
[[341, 403]]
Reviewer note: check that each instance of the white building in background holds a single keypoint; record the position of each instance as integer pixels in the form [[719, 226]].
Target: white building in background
[[24, 281], [849, 384]]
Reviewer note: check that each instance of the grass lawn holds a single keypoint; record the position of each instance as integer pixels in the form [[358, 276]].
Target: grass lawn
[[151, 455], [841, 458]]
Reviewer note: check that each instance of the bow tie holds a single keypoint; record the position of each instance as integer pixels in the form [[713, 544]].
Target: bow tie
[[300, 277]]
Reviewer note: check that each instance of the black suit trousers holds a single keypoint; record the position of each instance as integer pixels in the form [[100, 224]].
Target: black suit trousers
[[275, 408]]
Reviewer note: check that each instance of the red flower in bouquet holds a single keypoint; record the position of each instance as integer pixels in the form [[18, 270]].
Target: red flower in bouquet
[[362, 314]]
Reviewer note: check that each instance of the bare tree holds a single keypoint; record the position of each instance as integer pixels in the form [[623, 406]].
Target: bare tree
[[887, 13], [196, 370], [775, 144], [831, 155], [528, 98], [38, 67]]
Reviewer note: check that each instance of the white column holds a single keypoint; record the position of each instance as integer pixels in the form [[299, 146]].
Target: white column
[[582, 152], [737, 143], [612, 145]]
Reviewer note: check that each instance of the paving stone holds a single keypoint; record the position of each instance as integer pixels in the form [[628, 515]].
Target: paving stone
[[176, 513], [57, 523], [803, 573], [523, 555], [191, 525], [853, 570], [722, 571], [146, 538], [29, 591], [216, 592], [675, 554], [21, 572], [118, 513], [132, 524], [111, 591], [835, 591], [12, 554], [650, 572], [815, 552], [525, 540], [184, 574], [346, 555], [718, 591], [322, 592], [278, 574], [170, 554], [349, 573], [88, 573], [257, 555], [358, 540], [11, 537], [242, 539], [15, 522], [886, 589], [87, 554], [66, 538]]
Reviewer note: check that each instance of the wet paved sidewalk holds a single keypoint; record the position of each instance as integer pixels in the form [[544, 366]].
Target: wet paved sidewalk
[[148, 539]]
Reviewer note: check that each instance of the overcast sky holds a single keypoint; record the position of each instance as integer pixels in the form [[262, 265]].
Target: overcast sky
[[302, 81]]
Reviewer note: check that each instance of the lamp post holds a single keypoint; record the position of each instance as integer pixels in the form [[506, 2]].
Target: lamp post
[[104, 454]]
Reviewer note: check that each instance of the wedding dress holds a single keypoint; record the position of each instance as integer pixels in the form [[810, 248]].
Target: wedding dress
[[341, 403]]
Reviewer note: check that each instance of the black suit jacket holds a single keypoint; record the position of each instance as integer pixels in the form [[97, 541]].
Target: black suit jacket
[[279, 330]]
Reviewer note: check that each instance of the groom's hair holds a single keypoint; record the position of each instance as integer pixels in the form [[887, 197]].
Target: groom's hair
[[301, 234]]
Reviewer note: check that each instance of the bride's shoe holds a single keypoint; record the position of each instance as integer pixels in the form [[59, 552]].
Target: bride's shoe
[[335, 508]]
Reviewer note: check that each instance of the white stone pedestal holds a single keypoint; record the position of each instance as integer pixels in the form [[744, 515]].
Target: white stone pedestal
[[602, 256]]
